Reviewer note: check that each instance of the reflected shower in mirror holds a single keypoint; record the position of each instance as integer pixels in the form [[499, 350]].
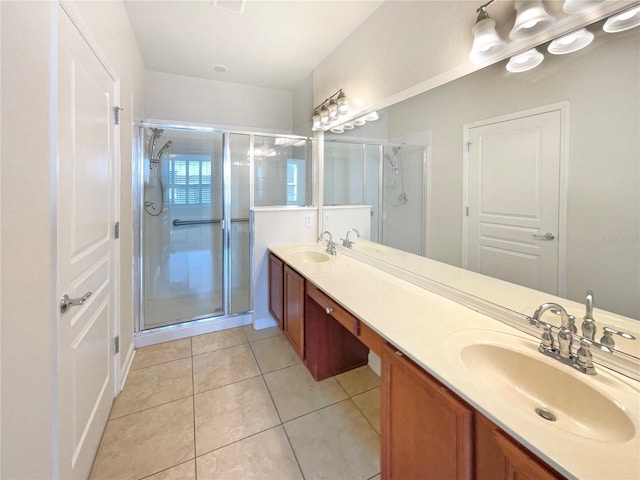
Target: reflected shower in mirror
[[596, 235]]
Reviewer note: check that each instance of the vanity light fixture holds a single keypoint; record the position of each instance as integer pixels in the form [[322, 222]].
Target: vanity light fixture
[[532, 18], [525, 61], [329, 110], [337, 129], [486, 42], [572, 42], [623, 21], [348, 126], [371, 117]]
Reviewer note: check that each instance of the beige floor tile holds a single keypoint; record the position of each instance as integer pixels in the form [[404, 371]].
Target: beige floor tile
[[232, 412], [218, 340], [222, 367], [265, 456], [254, 335], [184, 471], [163, 352], [335, 442], [152, 386], [147, 442], [358, 380], [274, 353], [296, 393], [369, 404]]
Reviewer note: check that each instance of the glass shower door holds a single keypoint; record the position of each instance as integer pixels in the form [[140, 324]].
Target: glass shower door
[[182, 221]]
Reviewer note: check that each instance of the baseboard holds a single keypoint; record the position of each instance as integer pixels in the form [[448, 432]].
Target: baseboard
[[265, 322], [126, 366]]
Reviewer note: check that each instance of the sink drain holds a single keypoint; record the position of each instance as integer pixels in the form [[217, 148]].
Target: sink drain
[[546, 414]]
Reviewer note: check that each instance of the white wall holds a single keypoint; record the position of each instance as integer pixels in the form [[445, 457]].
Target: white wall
[[28, 344], [181, 99], [28, 241], [275, 226]]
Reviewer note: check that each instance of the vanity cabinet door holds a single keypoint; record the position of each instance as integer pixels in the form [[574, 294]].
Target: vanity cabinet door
[[426, 430], [498, 457], [276, 292], [294, 309]]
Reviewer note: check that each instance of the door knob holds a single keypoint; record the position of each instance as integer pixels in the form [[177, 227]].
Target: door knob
[[66, 302], [546, 236]]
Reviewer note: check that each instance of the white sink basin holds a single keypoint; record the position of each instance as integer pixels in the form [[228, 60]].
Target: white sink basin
[[311, 256], [522, 377]]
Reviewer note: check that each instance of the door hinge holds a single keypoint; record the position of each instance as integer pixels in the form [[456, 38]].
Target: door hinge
[[467, 211], [116, 230], [116, 344], [468, 146], [116, 114]]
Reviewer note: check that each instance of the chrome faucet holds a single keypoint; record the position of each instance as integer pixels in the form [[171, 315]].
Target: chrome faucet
[[331, 246], [588, 322], [348, 243], [582, 360]]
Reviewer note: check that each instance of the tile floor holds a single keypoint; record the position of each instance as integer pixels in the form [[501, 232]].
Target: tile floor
[[238, 404]]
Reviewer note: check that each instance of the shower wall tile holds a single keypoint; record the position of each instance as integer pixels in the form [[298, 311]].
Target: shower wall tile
[[152, 386], [222, 367], [161, 353]]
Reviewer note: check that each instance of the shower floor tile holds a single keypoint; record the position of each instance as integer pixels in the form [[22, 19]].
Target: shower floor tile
[[225, 424]]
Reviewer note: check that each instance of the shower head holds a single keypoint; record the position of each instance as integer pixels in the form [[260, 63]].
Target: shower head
[[156, 133], [162, 150], [393, 161]]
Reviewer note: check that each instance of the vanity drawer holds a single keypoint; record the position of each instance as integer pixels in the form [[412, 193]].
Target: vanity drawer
[[365, 334]]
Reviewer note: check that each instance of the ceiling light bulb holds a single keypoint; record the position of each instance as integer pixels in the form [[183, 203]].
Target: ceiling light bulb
[[486, 42], [525, 61], [623, 21], [571, 42], [532, 18]]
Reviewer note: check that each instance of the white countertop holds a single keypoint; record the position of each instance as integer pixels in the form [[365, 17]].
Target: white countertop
[[423, 326]]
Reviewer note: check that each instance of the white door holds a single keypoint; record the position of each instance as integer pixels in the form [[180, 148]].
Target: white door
[[85, 249], [513, 195]]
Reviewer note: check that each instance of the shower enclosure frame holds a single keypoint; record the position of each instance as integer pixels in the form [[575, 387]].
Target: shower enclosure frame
[[207, 322]]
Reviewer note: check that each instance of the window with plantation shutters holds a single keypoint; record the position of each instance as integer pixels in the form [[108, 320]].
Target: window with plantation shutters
[[189, 180]]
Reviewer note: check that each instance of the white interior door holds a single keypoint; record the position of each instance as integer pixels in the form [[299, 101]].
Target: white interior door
[[513, 194], [85, 249]]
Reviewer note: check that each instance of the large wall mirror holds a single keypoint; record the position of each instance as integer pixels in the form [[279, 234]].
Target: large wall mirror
[[484, 142]]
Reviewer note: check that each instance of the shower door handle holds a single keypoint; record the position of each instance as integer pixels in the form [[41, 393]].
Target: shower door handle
[[66, 302]]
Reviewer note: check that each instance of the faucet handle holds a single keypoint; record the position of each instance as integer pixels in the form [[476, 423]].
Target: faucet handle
[[584, 357], [546, 339], [607, 339]]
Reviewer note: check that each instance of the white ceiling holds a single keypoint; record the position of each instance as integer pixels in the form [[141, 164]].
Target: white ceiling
[[271, 44]]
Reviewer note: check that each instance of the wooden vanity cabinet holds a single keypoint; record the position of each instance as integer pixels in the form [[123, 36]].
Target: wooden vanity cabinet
[[332, 337], [497, 456], [276, 286], [294, 309], [426, 429]]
